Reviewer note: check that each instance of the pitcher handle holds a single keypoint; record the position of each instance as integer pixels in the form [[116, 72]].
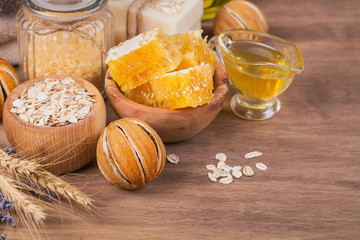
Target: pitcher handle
[[212, 43]]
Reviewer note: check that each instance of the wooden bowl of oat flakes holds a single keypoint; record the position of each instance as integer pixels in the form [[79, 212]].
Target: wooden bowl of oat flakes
[[55, 119]]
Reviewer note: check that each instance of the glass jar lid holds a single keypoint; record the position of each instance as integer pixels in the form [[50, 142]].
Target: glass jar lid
[[64, 10]]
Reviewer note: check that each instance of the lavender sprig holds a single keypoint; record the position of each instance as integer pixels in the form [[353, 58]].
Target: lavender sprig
[[9, 151], [5, 206], [7, 218]]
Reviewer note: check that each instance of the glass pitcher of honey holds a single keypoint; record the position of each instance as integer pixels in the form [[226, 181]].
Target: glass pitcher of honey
[[260, 67]]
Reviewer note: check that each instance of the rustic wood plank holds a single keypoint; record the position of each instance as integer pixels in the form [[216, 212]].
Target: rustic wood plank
[[312, 147]]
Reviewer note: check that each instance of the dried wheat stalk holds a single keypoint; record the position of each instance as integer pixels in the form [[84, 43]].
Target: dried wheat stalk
[[23, 206], [42, 178], [54, 184], [16, 165]]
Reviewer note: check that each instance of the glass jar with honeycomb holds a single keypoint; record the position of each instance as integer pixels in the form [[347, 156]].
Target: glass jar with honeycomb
[[69, 37]]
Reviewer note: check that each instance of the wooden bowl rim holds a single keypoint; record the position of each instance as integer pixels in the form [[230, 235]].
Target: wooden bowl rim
[[219, 93], [18, 90]]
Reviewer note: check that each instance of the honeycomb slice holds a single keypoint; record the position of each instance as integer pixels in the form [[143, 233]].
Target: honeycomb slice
[[142, 94], [145, 56], [194, 50], [190, 87]]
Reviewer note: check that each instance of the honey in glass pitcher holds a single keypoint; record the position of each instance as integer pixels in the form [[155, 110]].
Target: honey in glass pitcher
[[260, 67], [258, 83]]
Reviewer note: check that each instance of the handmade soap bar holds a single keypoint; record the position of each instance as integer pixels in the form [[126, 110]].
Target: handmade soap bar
[[172, 16]]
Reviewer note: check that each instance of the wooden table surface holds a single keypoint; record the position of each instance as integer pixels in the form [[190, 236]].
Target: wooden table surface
[[311, 189]]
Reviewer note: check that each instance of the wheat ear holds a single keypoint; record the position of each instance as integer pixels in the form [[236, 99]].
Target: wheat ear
[[54, 184], [23, 205], [43, 178], [16, 165]]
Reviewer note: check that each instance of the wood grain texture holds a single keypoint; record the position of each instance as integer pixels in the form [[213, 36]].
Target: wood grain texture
[[311, 189]]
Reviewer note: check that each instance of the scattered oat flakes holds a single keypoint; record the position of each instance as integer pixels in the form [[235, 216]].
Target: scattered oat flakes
[[253, 154], [227, 168], [219, 172], [225, 174], [226, 180], [221, 157], [237, 174], [236, 168], [53, 103], [248, 171], [212, 177], [220, 165], [172, 158], [261, 166], [210, 167]]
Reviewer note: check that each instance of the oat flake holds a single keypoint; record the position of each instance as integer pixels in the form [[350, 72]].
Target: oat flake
[[248, 171], [221, 157], [172, 158], [226, 180], [237, 174], [227, 168], [212, 177], [219, 172], [236, 168], [210, 167], [253, 154], [220, 165], [261, 166]]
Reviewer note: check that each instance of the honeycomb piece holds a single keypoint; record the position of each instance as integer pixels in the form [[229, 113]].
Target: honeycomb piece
[[142, 94], [188, 61], [194, 50], [190, 87], [145, 56]]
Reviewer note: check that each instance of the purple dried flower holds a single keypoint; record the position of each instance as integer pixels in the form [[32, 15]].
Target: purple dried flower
[[9, 151], [8, 219], [6, 205]]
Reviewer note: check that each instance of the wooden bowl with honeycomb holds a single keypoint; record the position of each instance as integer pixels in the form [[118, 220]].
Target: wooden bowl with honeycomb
[[171, 125], [60, 148]]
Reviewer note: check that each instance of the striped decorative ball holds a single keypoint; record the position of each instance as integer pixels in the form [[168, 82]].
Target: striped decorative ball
[[240, 14]]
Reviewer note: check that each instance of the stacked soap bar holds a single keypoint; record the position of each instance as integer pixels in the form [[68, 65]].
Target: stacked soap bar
[[164, 71], [172, 16]]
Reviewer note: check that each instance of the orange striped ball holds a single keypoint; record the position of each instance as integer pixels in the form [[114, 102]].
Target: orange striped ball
[[240, 14]]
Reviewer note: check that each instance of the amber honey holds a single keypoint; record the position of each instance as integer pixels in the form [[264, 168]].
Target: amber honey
[[255, 70], [260, 66]]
